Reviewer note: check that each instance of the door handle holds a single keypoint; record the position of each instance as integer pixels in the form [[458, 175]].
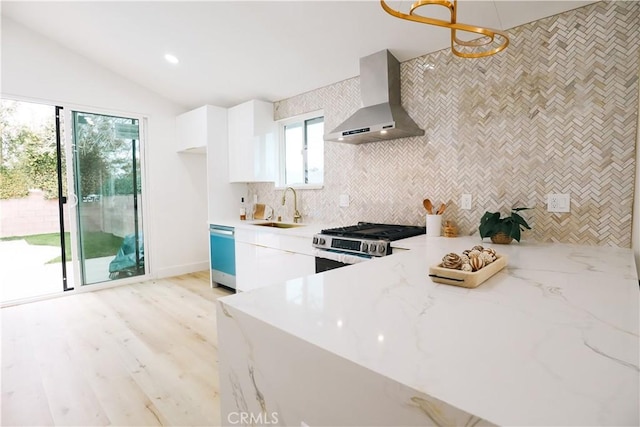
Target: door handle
[[74, 200]]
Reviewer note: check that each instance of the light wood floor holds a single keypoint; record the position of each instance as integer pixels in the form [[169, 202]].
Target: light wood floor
[[143, 354]]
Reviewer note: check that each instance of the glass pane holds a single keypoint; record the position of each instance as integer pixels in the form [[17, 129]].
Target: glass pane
[[294, 162], [108, 186], [315, 151]]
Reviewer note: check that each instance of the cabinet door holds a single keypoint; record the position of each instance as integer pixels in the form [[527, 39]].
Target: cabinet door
[[259, 266], [240, 134], [303, 265], [265, 142], [246, 266], [271, 263], [191, 131], [252, 142], [277, 266]]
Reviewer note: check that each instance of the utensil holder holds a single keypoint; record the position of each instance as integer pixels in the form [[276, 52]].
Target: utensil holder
[[434, 225]]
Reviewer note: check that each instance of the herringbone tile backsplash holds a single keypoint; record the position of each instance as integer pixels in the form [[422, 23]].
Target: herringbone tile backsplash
[[556, 112]]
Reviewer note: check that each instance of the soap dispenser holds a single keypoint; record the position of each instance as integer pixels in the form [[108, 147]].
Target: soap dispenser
[[243, 210]]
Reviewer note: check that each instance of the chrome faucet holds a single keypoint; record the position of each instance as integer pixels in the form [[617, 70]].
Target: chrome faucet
[[296, 215]]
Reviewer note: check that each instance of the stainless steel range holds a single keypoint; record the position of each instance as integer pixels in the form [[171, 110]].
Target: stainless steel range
[[337, 247]]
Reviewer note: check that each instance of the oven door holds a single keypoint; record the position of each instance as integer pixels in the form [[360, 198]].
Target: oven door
[[324, 264], [329, 260]]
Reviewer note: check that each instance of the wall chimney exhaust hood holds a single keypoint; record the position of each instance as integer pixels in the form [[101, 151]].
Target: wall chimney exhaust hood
[[382, 116]]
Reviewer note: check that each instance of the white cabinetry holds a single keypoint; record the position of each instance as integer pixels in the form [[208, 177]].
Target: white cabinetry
[[252, 142], [191, 131], [205, 130], [266, 258]]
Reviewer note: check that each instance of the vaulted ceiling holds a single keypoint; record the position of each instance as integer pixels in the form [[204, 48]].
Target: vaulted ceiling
[[233, 51]]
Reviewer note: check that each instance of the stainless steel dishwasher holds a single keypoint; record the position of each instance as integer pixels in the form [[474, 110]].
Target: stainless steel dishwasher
[[222, 253]]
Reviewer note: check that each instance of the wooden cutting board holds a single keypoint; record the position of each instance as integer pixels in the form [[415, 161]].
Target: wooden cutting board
[[259, 211]]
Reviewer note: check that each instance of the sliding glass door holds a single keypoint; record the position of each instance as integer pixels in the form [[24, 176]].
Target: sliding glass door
[[70, 199], [108, 186]]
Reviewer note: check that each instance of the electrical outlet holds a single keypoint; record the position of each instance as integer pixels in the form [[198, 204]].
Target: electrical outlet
[[558, 202], [465, 202], [344, 201]]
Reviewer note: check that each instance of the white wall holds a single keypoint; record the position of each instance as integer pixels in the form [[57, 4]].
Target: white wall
[[34, 68]]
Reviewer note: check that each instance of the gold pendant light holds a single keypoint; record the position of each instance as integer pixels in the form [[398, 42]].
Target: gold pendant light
[[491, 42]]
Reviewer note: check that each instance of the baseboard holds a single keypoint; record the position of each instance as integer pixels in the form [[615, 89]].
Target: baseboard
[[181, 269]]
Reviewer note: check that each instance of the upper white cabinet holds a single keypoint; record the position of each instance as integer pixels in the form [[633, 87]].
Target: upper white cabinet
[[191, 131], [252, 142]]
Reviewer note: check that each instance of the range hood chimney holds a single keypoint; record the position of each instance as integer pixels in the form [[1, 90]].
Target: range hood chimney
[[381, 116]]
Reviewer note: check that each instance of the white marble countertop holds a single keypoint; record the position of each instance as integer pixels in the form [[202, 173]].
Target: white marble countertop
[[304, 229], [550, 340]]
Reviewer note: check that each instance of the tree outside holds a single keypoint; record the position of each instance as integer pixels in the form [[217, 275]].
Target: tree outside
[[104, 159], [28, 154], [27, 150]]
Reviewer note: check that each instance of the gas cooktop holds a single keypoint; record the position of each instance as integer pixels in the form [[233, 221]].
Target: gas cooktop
[[369, 230]]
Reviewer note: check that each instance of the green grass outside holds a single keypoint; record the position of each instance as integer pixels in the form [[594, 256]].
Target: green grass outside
[[96, 244]]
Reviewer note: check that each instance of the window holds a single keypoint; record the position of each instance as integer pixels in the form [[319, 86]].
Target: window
[[302, 151]]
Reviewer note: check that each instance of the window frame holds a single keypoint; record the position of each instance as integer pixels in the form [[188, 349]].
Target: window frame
[[301, 118]]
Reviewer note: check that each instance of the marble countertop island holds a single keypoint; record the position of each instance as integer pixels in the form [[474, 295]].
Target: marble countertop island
[[550, 340]]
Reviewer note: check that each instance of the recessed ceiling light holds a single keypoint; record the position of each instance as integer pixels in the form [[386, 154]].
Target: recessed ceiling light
[[171, 58]]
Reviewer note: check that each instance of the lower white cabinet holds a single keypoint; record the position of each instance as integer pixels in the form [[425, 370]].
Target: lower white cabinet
[[246, 266], [258, 265]]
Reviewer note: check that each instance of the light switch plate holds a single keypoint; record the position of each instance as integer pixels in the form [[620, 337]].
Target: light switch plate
[[465, 202], [557, 202]]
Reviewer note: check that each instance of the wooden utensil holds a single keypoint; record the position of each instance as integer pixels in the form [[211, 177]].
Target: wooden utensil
[[428, 206], [441, 209]]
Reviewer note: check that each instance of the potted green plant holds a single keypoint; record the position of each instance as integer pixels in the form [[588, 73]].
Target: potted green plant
[[503, 230]]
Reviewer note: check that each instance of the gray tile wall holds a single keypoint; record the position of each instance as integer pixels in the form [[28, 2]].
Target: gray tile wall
[[554, 113]]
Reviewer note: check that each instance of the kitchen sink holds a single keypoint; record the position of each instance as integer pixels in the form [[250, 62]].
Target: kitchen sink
[[279, 224]]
